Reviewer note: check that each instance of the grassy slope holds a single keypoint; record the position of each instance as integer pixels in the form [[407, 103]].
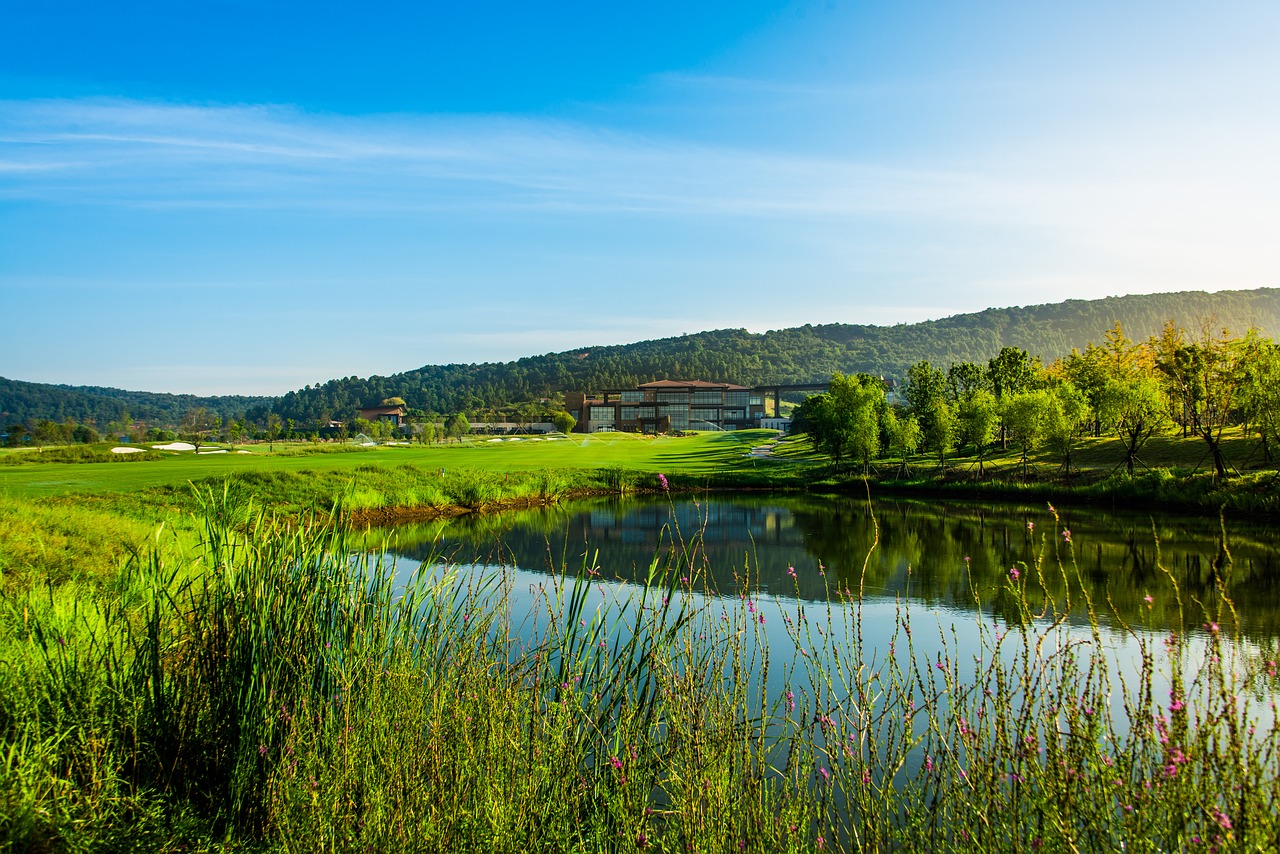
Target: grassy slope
[[702, 454], [65, 521]]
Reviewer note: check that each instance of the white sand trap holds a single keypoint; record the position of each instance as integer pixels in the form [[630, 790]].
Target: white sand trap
[[214, 451], [128, 450], [244, 452], [175, 446]]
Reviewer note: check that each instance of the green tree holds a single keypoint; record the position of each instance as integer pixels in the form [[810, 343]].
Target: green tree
[[198, 426], [965, 378], [1025, 416], [1260, 392], [1069, 413], [1206, 379], [1135, 407], [274, 424], [564, 421], [1010, 372], [457, 426], [940, 428], [845, 421], [44, 432], [977, 417], [84, 434], [903, 434], [925, 392]]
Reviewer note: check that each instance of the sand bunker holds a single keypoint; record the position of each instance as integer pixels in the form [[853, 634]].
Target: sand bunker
[[128, 450], [175, 446]]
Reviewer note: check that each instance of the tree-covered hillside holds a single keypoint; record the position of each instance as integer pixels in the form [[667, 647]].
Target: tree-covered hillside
[[23, 401], [802, 354]]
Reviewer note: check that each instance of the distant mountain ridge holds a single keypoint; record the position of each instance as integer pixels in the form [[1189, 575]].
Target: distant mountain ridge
[[23, 401], [799, 354]]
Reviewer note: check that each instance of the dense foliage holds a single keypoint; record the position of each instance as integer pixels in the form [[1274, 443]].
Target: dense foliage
[[29, 402], [1202, 382], [797, 355], [801, 354]]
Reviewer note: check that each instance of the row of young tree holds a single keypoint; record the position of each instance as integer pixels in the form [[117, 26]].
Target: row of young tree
[[1201, 384]]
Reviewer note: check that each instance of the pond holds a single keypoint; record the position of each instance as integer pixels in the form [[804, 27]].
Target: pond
[[947, 555], [931, 649]]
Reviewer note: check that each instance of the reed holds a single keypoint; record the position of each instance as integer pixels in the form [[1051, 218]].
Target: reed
[[286, 687]]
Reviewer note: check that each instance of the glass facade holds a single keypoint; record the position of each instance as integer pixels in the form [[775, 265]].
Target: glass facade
[[662, 407]]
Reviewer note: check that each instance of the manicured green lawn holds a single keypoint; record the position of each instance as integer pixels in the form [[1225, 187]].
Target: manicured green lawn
[[702, 453]]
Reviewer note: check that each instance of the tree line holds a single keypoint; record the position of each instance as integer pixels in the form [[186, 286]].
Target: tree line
[[802, 354], [1200, 382]]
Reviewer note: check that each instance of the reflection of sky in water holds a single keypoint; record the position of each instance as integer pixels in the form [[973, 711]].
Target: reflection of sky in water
[[933, 553], [957, 607]]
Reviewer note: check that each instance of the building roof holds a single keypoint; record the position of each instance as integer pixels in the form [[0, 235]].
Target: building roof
[[383, 410], [692, 384]]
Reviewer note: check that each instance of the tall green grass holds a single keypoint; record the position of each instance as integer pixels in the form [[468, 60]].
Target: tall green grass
[[271, 692]]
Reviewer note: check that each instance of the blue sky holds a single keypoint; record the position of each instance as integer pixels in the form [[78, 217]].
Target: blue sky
[[233, 197]]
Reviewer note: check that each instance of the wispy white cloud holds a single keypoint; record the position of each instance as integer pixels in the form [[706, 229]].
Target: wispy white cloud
[[1107, 210], [129, 153]]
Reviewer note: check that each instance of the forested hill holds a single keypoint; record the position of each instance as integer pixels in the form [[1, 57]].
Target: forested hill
[[24, 402], [801, 354]]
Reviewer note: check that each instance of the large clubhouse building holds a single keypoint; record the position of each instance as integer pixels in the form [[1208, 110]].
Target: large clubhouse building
[[668, 406]]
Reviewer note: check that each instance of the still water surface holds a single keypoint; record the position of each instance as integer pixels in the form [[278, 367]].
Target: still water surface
[[946, 556], [946, 564]]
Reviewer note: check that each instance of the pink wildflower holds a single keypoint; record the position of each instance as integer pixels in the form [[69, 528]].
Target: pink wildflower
[[662, 479], [1013, 573]]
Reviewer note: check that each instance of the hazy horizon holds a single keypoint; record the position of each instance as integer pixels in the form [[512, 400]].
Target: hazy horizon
[[231, 198]]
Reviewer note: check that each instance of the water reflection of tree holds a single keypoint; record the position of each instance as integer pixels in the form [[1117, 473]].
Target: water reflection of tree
[[937, 553]]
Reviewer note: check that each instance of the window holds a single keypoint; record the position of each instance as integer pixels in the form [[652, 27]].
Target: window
[[757, 400], [705, 396], [632, 396], [648, 411], [602, 414], [673, 397], [700, 414], [736, 398], [628, 413], [734, 415]]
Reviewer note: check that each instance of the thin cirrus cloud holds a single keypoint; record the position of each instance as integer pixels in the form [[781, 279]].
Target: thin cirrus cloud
[[131, 153]]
